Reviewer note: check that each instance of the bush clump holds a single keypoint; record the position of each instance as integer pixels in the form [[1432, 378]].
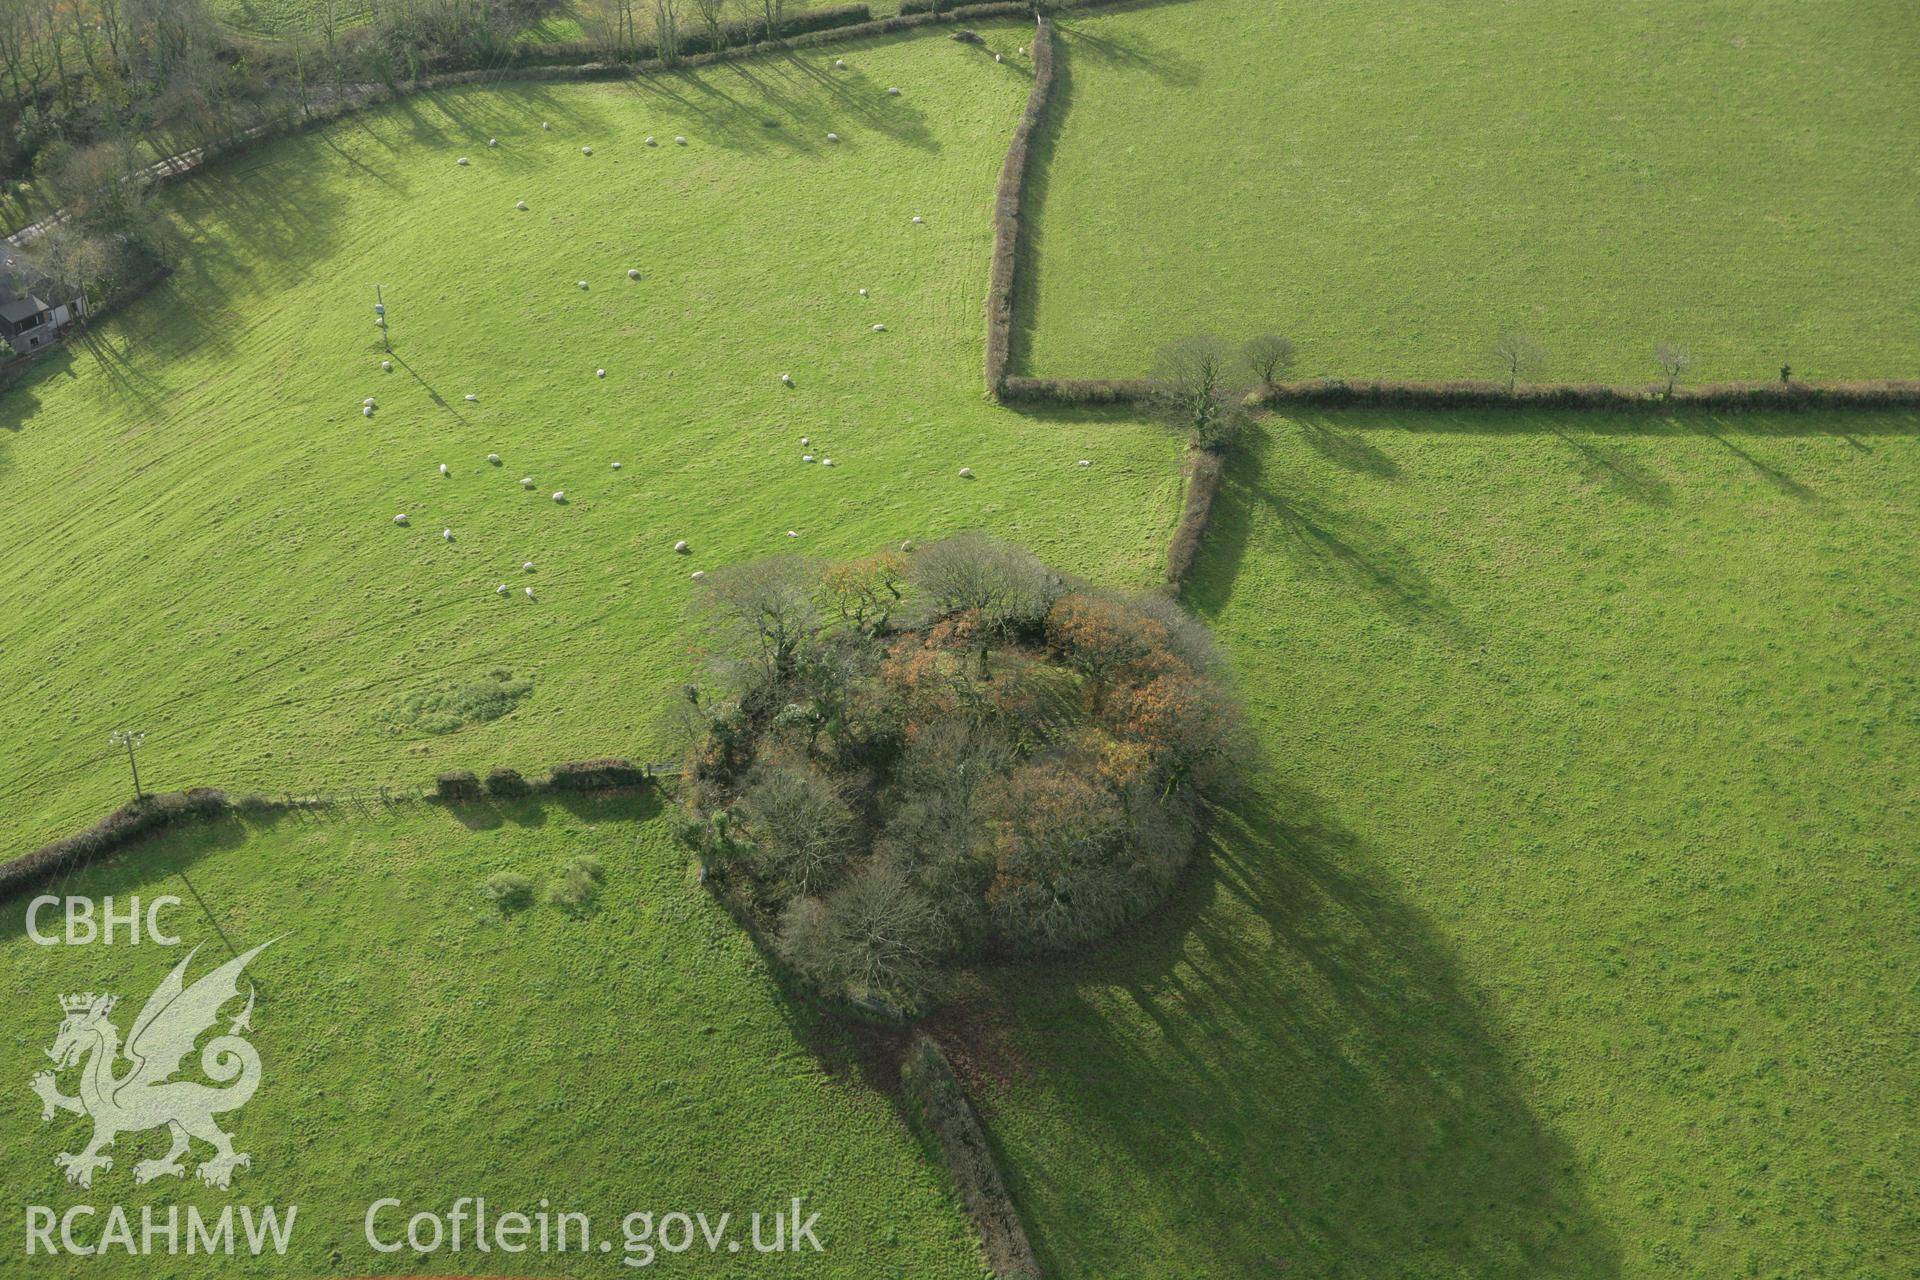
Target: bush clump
[[904, 761], [576, 890], [457, 784], [507, 782], [510, 891], [596, 775]]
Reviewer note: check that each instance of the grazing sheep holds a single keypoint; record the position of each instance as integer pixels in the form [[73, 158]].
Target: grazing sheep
[[599, 373], [559, 495], [998, 58], [792, 534], [907, 545], [917, 219], [833, 137], [679, 141], [544, 125], [527, 566], [444, 471], [616, 466], [401, 518], [461, 161], [966, 473], [502, 589], [893, 92], [699, 575], [366, 410], [529, 591], [447, 534], [521, 205], [682, 547], [1083, 463], [806, 457], [586, 151], [494, 458], [493, 142], [379, 322], [526, 482], [386, 366], [826, 462], [879, 328], [651, 142], [787, 378], [633, 273], [368, 403], [840, 64], [806, 440], [472, 399], [581, 283], [863, 293]]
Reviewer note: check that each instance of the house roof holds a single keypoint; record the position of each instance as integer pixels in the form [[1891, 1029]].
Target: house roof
[[24, 288]]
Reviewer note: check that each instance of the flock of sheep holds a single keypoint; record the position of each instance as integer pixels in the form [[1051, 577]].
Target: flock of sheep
[[680, 546]]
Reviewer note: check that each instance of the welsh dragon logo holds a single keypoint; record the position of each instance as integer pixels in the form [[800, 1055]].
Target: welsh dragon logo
[[146, 1096]]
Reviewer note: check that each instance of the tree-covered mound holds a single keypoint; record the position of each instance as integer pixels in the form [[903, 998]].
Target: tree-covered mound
[[906, 761]]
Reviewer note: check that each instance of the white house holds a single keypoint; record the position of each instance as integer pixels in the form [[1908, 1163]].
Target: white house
[[34, 311]]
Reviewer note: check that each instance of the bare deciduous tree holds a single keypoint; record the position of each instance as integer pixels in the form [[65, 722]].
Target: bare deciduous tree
[[760, 615], [1193, 375], [1270, 357], [1517, 356], [713, 19], [1674, 360]]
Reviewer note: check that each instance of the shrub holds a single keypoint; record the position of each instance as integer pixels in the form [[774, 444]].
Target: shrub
[[576, 890], [458, 784], [119, 828], [509, 891], [507, 782], [1205, 470], [800, 829], [596, 775]]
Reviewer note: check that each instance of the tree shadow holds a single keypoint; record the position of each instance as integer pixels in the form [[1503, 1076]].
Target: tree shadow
[[1619, 471], [1348, 449], [1288, 1067], [1134, 52], [1338, 546]]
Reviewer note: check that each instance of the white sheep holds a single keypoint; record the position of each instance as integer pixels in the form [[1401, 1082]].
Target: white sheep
[[599, 373], [879, 328], [840, 64], [633, 273], [521, 205], [493, 142], [679, 141], [806, 457], [559, 495], [444, 471], [651, 142], [998, 58], [792, 533], [368, 403], [917, 219], [787, 378], [472, 399], [586, 151], [966, 473], [447, 534], [386, 366], [616, 466], [366, 410], [401, 518], [699, 575], [379, 322], [682, 547], [907, 545], [826, 462], [893, 91], [461, 161], [502, 589], [833, 137], [494, 458], [580, 283], [526, 566], [863, 293], [1083, 463], [806, 440], [529, 591], [544, 125], [526, 482]]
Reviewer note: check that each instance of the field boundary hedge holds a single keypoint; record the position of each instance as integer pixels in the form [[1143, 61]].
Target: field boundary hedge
[[1206, 469], [1006, 211], [1888, 393], [933, 1088]]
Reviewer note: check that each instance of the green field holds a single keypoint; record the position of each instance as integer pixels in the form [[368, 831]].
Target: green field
[[1394, 186], [415, 1045], [1570, 929], [267, 623]]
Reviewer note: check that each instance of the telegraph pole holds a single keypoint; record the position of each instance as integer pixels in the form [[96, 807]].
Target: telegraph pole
[[130, 739]]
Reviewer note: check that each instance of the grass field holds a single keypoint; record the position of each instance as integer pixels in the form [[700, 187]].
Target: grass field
[[416, 1045], [1570, 930], [1395, 187], [201, 505]]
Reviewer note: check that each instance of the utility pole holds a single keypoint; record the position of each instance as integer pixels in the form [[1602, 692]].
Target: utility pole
[[131, 740], [380, 318]]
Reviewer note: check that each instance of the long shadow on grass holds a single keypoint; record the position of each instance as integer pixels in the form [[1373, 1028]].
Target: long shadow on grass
[[1253, 515], [1286, 1073]]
